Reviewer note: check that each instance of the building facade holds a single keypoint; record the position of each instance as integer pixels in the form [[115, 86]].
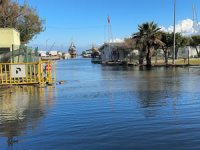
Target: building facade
[[188, 50], [114, 52], [9, 38]]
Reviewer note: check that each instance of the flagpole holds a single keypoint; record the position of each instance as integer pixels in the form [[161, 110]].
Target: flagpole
[[174, 46], [108, 19], [109, 30]]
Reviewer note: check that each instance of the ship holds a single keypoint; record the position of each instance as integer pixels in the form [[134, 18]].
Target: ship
[[72, 50]]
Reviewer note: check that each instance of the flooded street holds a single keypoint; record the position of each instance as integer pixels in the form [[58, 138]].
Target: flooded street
[[105, 108]]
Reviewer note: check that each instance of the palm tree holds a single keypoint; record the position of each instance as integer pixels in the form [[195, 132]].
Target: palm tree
[[147, 39]]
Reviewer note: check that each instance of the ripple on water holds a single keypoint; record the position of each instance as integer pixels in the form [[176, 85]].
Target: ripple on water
[[106, 107]]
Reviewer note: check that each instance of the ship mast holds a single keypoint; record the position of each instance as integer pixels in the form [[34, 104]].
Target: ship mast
[[110, 38], [196, 28]]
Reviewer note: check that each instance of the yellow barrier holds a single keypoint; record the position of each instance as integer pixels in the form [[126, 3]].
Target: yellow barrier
[[27, 73]]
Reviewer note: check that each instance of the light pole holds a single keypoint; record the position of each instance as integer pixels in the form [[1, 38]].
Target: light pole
[[174, 46]]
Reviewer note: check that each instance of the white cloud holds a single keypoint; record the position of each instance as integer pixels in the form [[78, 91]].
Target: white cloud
[[186, 27], [117, 40]]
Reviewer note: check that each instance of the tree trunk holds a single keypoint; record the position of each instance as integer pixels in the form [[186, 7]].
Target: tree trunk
[[198, 53], [176, 53], [141, 58], [156, 58], [166, 55], [148, 58]]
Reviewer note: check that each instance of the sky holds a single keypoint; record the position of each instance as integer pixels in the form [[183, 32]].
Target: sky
[[84, 22]]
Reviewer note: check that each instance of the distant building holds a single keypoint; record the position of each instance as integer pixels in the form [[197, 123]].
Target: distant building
[[9, 37], [60, 53], [66, 56], [42, 53], [183, 52], [114, 52], [53, 53]]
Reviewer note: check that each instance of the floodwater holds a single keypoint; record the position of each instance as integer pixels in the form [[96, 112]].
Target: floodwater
[[104, 108]]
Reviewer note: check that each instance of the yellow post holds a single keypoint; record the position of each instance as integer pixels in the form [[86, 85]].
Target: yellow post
[[39, 73], [6, 73], [10, 73]]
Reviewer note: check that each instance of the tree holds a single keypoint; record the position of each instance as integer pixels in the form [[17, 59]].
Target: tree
[[23, 18], [167, 39], [147, 39], [195, 42], [130, 43], [181, 41], [9, 12], [83, 53]]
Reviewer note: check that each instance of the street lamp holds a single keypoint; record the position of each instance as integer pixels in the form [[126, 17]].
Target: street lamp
[[174, 46]]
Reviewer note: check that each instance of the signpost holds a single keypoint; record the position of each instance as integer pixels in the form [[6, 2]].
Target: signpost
[[18, 71]]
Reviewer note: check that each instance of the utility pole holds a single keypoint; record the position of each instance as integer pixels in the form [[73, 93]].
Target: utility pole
[[110, 40], [195, 21], [174, 46]]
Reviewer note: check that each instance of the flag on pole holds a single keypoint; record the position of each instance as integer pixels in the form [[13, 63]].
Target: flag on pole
[[108, 19]]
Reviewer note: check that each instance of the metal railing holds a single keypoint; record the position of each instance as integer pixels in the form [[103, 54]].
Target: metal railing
[[27, 73]]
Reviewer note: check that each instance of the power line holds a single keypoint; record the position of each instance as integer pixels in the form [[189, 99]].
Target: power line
[[75, 28]]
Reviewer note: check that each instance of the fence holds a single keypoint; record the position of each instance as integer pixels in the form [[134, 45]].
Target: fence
[[27, 73]]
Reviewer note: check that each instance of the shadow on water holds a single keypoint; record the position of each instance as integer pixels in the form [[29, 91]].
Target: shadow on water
[[22, 108]]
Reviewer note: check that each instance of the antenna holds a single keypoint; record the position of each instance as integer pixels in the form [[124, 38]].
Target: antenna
[[110, 38], [104, 33], [196, 26]]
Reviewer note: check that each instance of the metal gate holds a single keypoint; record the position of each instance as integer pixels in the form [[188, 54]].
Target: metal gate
[[27, 73]]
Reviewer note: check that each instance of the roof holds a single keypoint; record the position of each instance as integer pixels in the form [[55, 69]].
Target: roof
[[9, 29], [114, 45]]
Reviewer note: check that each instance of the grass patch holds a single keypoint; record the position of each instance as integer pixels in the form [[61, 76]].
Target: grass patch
[[192, 61]]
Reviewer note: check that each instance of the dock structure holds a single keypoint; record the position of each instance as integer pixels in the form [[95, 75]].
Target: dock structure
[[40, 73], [17, 64]]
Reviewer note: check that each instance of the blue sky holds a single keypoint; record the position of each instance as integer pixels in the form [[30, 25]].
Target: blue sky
[[84, 21]]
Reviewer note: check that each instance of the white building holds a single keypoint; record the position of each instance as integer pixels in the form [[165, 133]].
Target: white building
[[9, 38], [53, 53], [66, 56], [42, 53], [183, 52], [113, 52]]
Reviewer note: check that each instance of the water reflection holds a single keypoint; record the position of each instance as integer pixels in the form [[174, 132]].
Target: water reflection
[[156, 87], [105, 107], [21, 108]]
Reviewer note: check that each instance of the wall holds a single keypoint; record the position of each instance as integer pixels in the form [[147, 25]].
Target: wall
[[106, 54], [183, 52], [9, 37]]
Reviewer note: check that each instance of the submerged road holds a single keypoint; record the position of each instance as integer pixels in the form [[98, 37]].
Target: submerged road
[[105, 108]]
